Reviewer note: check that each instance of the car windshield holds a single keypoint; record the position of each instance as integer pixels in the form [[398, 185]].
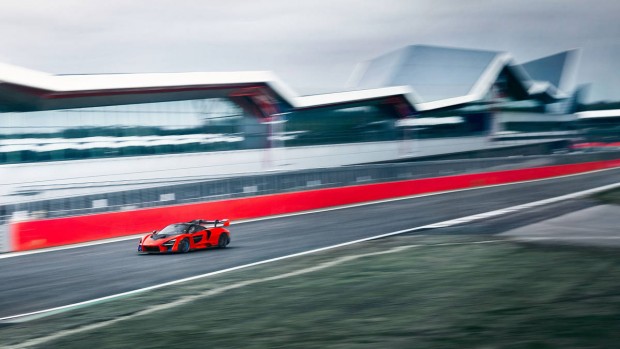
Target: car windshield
[[174, 229]]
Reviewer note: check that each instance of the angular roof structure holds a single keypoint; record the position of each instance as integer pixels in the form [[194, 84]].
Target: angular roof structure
[[435, 73], [555, 69], [444, 76], [424, 77]]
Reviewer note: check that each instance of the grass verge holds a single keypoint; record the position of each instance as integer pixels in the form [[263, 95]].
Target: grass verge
[[423, 292], [609, 197]]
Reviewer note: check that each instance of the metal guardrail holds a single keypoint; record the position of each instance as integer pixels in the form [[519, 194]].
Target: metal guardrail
[[211, 190]]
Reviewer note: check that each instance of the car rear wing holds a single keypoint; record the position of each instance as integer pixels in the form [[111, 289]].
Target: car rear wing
[[216, 223]]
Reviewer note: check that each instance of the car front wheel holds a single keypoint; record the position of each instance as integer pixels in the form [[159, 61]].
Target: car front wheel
[[184, 246]]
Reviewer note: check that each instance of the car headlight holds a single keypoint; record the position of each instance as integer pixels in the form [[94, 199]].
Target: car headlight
[[169, 243]]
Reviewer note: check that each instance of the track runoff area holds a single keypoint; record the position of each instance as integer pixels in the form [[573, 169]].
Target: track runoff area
[[24, 317]]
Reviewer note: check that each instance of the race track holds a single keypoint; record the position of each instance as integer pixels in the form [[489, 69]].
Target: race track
[[45, 280]]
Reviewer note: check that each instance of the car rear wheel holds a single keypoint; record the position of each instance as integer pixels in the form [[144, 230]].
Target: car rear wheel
[[223, 241], [184, 246]]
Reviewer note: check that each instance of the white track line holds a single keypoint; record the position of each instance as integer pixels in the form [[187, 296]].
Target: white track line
[[448, 223], [131, 237]]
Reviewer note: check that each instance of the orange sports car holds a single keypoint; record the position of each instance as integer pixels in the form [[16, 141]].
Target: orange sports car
[[183, 237]]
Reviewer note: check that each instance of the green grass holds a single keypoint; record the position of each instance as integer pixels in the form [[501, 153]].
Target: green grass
[[496, 295], [609, 197]]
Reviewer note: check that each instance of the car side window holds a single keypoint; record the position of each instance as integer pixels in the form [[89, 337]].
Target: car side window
[[199, 229]]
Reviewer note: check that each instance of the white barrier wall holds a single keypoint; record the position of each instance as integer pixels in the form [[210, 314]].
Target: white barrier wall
[[94, 173], [4, 238]]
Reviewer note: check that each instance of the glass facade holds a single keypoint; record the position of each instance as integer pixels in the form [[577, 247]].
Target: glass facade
[[218, 124], [605, 129], [180, 127], [124, 130], [363, 123]]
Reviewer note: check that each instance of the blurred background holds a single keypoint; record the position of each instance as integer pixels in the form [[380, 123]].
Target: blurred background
[[343, 83], [139, 114]]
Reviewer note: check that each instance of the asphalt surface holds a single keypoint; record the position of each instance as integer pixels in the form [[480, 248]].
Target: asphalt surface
[[41, 281], [595, 226]]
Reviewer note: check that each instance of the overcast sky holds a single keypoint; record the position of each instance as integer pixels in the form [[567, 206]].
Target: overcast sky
[[312, 45]]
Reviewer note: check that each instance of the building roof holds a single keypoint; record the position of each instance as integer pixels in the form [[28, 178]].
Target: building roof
[[435, 73], [557, 69], [442, 76], [596, 114], [425, 77]]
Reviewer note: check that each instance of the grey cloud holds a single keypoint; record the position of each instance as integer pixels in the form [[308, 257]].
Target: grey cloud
[[314, 45]]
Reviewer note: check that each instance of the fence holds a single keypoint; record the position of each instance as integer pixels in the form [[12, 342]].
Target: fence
[[271, 183], [246, 196]]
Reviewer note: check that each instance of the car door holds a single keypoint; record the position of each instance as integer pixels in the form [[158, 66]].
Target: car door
[[199, 238]]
